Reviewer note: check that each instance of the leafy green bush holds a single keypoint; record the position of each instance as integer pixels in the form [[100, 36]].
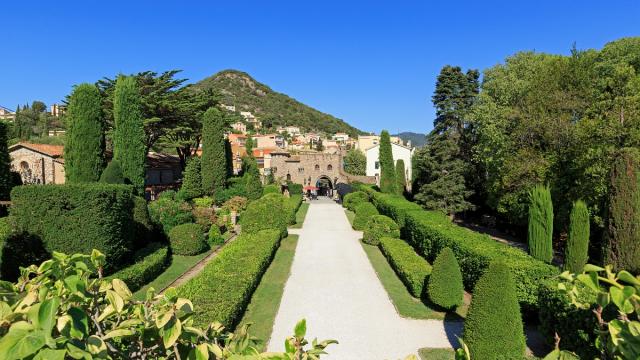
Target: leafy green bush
[[271, 189], [412, 269], [78, 217], [294, 189], [380, 226], [236, 203], [540, 235], [142, 222], [169, 212], [17, 249], [493, 328], [5, 228], [205, 201], [149, 262], [576, 254], [268, 212], [187, 239], [352, 199], [214, 237], [445, 284], [235, 189], [204, 217], [577, 327], [223, 289], [364, 211]]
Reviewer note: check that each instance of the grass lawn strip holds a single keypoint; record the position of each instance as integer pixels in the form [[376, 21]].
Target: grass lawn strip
[[265, 302], [436, 354], [350, 216], [300, 215], [406, 305]]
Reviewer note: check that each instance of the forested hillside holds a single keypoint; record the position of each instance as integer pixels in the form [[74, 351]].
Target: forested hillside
[[417, 139], [534, 119], [272, 108]]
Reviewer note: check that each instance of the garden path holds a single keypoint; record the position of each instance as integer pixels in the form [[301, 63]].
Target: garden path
[[334, 286]]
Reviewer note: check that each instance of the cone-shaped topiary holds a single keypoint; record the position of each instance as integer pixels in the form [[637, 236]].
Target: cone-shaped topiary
[[192, 181], [493, 328], [387, 168], [576, 255], [128, 136], [379, 226], [445, 284], [541, 223], [364, 211], [401, 178], [622, 233], [112, 174], [84, 147]]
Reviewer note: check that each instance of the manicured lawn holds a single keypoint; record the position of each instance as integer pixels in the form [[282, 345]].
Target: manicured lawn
[[265, 302], [179, 264], [350, 215], [300, 215], [406, 305], [436, 354]]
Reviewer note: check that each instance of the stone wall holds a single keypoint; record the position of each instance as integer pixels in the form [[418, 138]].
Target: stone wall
[[36, 168], [306, 169]]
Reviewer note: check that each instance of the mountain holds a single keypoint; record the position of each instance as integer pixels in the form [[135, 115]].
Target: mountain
[[240, 89], [417, 140]]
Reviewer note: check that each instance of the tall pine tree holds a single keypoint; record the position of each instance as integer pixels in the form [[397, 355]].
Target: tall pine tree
[[401, 178], [387, 169], [444, 166], [622, 234], [85, 144], [128, 136], [214, 159], [192, 179], [540, 234], [6, 178], [577, 251]]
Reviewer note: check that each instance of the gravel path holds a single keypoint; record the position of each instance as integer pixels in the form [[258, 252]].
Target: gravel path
[[333, 286]]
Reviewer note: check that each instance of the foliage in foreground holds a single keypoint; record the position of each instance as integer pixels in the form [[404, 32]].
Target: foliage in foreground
[[60, 309]]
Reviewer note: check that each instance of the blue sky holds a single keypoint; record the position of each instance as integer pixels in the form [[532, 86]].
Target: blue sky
[[371, 63]]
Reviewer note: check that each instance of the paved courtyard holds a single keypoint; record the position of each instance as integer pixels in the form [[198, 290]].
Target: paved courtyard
[[334, 286]]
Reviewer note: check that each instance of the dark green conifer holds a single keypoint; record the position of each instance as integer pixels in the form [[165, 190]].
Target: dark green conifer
[[112, 174], [192, 179], [6, 178], [251, 178], [445, 283], [387, 169], [540, 233], [401, 178], [84, 148], [214, 161], [578, 243], [129, 136]]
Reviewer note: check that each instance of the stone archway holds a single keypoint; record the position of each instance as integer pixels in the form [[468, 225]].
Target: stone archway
[[324, 185]]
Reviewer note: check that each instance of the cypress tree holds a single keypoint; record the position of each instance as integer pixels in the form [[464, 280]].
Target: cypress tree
[[112, 174], [401, 178], [251, 178], [540, 234], [445, 283], [387, 170], [576, 253], [128, 136], [214, 161], [192, 180], [493, 327], [84, 148], [6, 178], [228, 152], [622, 234]]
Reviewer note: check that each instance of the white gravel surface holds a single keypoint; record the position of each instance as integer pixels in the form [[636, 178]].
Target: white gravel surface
[[334, 287]]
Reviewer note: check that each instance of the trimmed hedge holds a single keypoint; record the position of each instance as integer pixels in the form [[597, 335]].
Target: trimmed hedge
[[412, 269], [150, 262], [77, 218], [294, 189], [268, 212], [364, 212], [430, 231], [222, 291], [493, 328], [576, 326], [380, 226], [352, 199], [293, 204], [445, 284], [187, 239]]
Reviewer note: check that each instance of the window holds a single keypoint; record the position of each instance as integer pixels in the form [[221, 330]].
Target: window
[[329, 167], [317, 167], [377, 165], [288, 177]]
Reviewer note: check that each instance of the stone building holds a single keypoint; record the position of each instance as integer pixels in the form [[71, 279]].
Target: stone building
[[38, 163]]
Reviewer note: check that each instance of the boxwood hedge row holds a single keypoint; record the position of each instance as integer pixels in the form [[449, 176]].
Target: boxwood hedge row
[[149, 262], [77, 218], [223, 289], [412, 269], [429, 232]]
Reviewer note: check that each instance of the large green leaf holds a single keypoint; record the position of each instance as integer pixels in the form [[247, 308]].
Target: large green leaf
[[50, 354], [47, 314], [21, 340], [79, 323], [301, 328], [171, 332]]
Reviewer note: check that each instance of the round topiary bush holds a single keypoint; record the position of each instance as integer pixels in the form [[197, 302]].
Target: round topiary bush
[[215, 237], [493, 328], [364, 211], [445, 284], [351, 200], [187, 239], [380, 226]]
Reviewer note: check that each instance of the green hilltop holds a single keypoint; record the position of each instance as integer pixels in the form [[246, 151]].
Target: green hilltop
[[272, 108]]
